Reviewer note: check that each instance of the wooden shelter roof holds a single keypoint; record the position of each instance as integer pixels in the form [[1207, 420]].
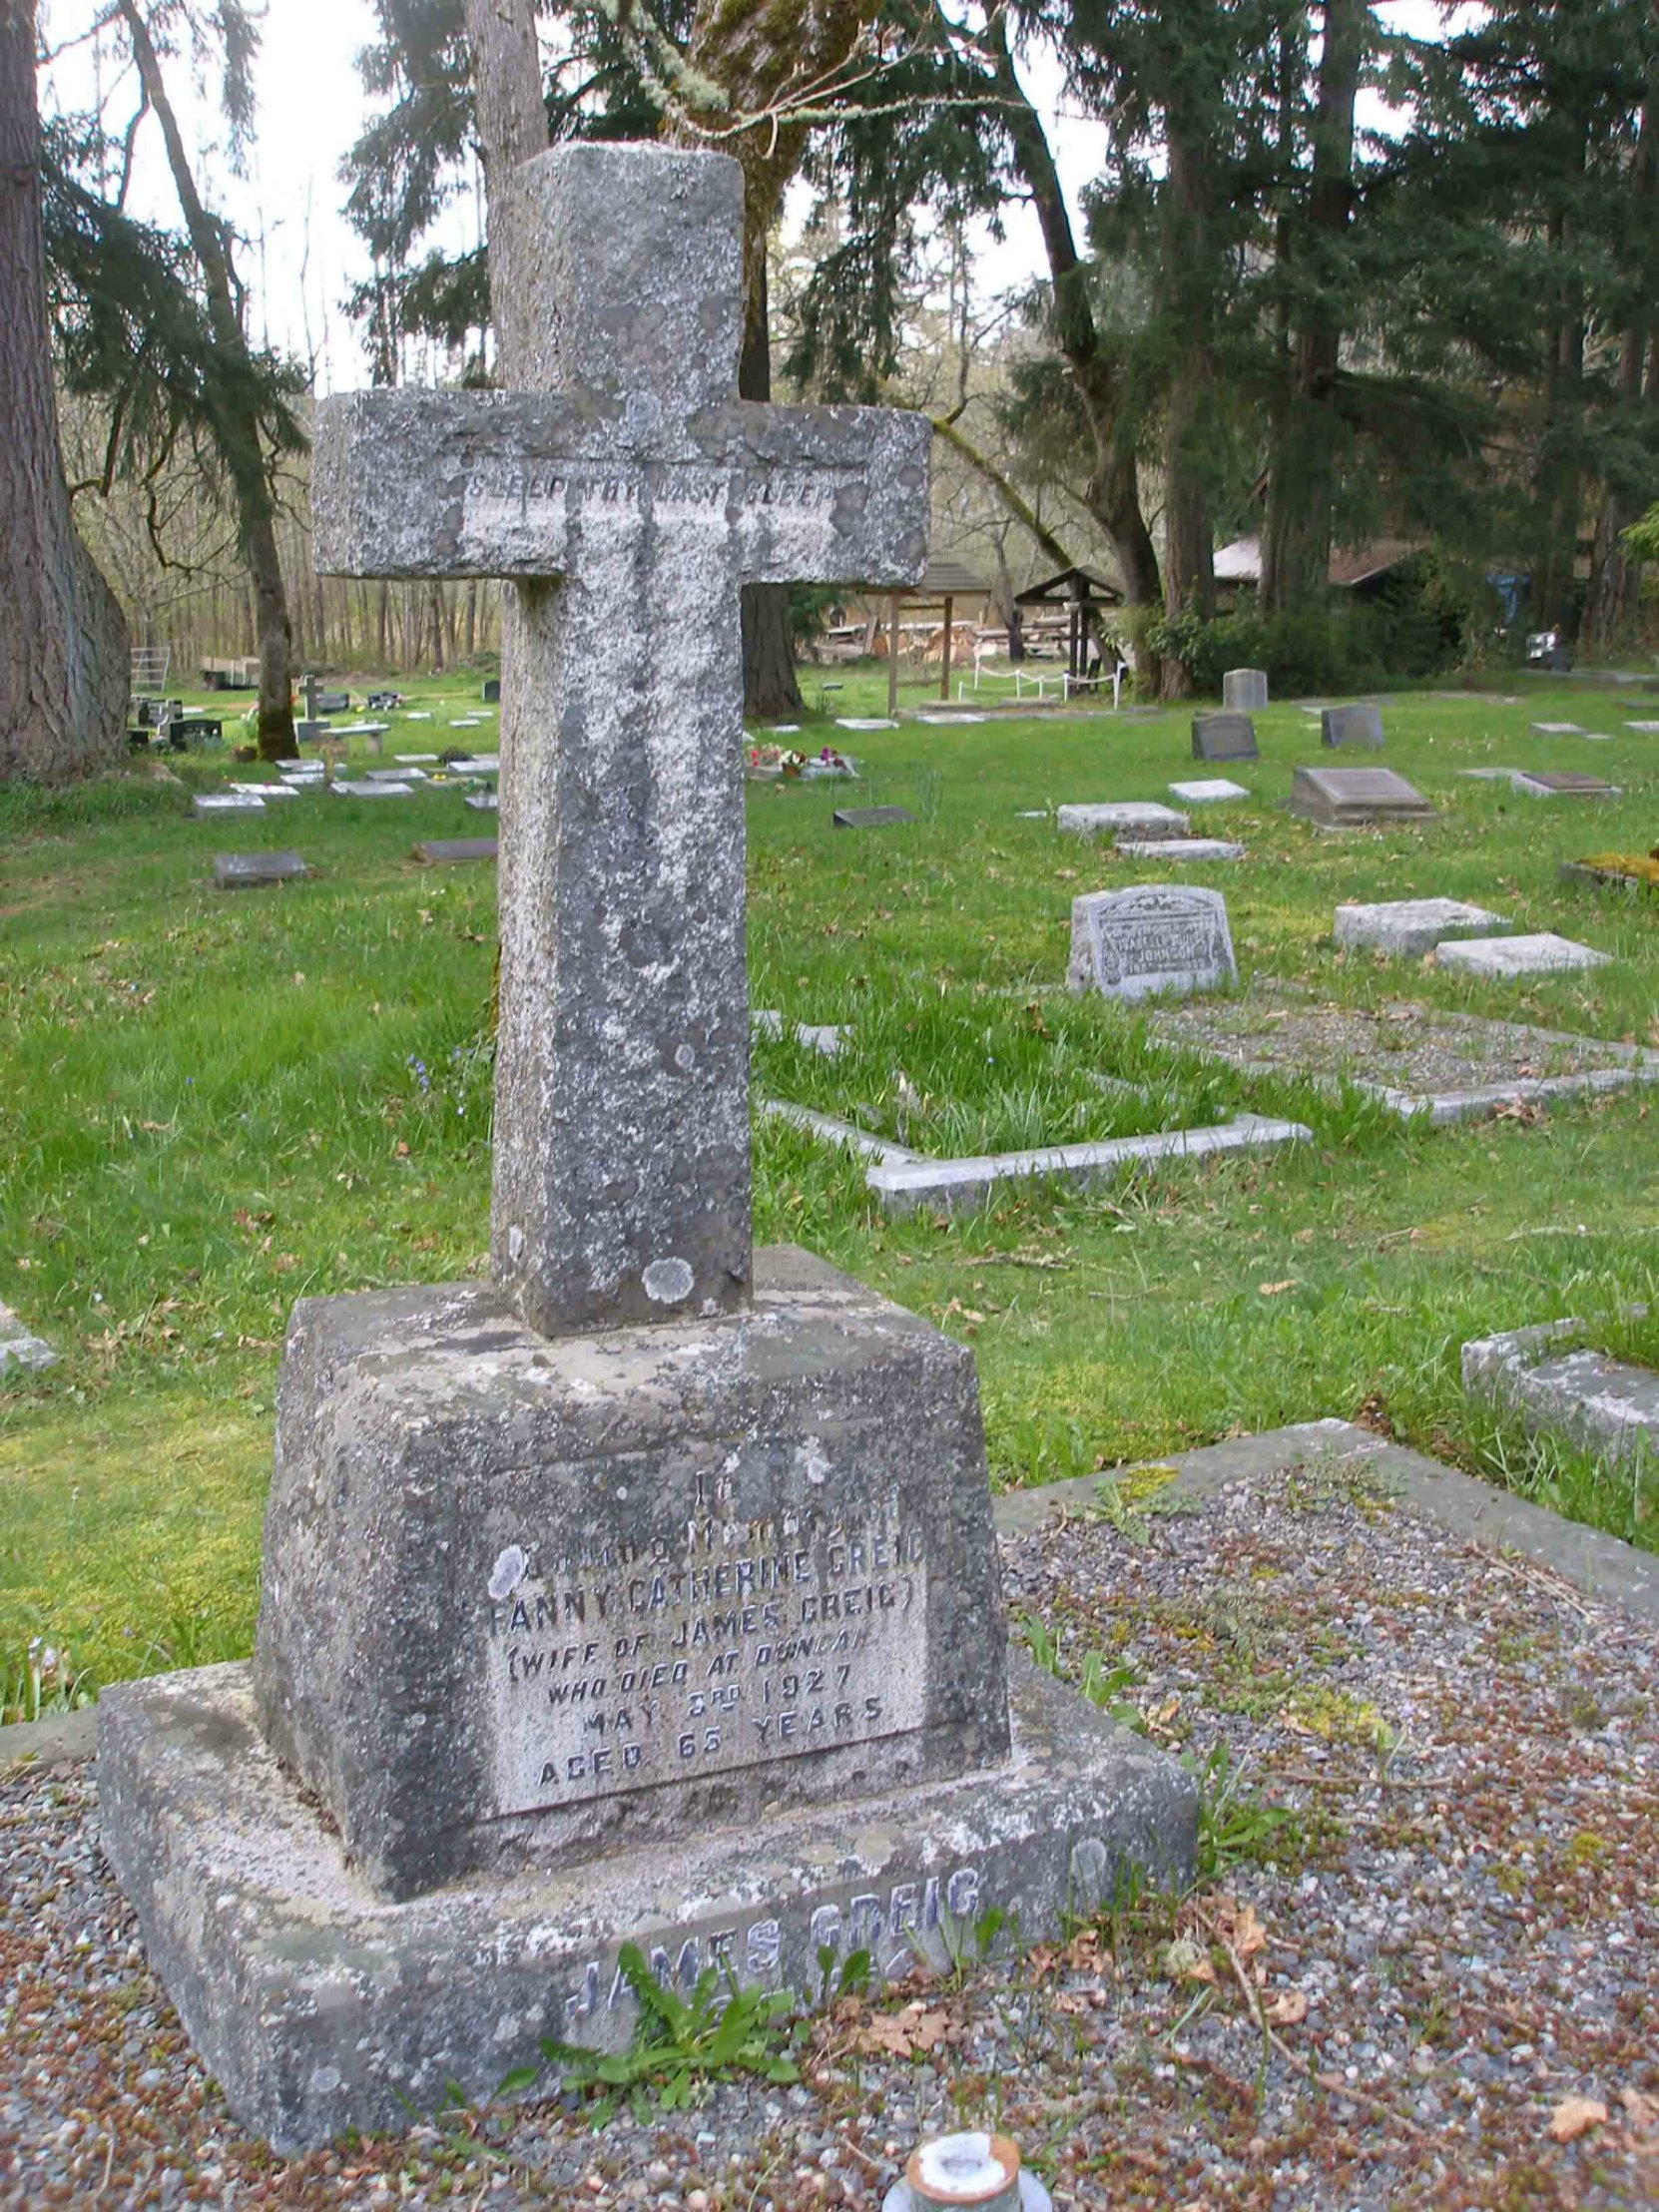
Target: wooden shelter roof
[[1073, 587]]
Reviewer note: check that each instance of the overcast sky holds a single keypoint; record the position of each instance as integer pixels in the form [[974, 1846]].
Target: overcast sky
[[302, 257]]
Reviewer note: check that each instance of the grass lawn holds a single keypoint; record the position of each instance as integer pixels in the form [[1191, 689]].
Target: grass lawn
[[214, 1104]]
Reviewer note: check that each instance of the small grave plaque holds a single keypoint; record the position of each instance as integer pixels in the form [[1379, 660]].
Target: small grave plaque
[[1358, 724], [442, 851], [870, 818], [207, 803], [241, 872], [1155, 937], [1129, 819], [484, 802], [1223, 736], [347, 788], [1206, 790], [1405, 928], [1563, 782], [1179, 849], [1350, 797], [1245, 688], [1503, 958]]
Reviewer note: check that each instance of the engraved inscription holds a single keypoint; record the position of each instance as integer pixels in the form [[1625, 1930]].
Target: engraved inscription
[[745, 1641], [1163, 944]]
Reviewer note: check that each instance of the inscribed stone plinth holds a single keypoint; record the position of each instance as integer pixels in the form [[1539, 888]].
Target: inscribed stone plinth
[[1504, 958], [1357, 725], [1128, 817], [1350, 797], [1245, 688], [649, 1578], [1223, 736], [237, 872], [1152, 939], [628, 499], [444, 851], [870, 818], [1405, 928]]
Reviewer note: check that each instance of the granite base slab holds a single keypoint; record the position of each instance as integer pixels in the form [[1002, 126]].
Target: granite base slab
[[318, 2007]]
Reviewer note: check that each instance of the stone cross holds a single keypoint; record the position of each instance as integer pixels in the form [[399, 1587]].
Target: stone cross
[[626, 497]]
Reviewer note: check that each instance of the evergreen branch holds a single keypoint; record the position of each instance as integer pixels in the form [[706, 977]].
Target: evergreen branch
[[945, 426]]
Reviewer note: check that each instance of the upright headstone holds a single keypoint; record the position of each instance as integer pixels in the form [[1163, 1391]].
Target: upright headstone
[[1360, 725], [1227, 735], [647, 1591], [1245, 688], [1351, 797], [1149, 939], [492, 690]]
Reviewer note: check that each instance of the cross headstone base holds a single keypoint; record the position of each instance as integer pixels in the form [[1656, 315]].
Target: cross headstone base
[[689, 1635]]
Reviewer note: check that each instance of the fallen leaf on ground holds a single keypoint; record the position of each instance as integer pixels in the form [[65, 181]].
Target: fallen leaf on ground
[[1575, 2116], [1288, 2008], [1273, 1290], [1642, 2112]]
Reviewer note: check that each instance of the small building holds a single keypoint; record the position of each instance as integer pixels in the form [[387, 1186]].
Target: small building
[[1079, 594]]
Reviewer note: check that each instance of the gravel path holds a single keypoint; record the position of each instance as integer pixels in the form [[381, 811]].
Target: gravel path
[[1401, 1988]]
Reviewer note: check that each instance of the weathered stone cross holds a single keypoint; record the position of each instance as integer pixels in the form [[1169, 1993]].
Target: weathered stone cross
[[627, 497]]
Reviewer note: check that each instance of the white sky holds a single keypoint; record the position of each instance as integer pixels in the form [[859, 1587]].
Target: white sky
[[302, 257]]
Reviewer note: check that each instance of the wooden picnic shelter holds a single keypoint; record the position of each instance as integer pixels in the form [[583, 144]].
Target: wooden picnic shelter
[[1082, 593], [943, 584]]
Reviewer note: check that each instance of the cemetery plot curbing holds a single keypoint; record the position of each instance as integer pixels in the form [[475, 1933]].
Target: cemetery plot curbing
[[677, 1559], [1179, 849], [1608, 1407]]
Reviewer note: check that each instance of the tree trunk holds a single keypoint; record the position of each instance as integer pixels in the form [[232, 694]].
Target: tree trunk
[[1111, 493], [770, 691], [239, 435], [1188, 547], [1615, 573], [1307, 429], [63, 641]]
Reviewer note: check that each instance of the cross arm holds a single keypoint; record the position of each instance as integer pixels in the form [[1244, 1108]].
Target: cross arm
[[460, 485]]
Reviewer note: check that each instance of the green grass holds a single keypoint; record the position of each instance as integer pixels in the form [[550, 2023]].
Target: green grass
[[211, 1105]]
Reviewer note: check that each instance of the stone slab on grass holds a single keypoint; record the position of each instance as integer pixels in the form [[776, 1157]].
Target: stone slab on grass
[[1417, 1062], [205, 804], [961, 1186], [484, 802], [1405, 928], [1150, 938], [870, 818], [241, 872], [1180, 848], [1356, 798], [824, 1037], [1506, 959], [1133, 818], [1558, 1386], [349, 788], [1563, 782], [1358, 724], [19, 1346], [449, 852], [1560, 728], [1207, 791], [314, 2003]]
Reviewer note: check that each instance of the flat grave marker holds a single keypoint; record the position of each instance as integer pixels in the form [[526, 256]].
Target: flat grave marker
[[484, 802], [1506, 959], [349, 788], [1407, 928], [241, 872], [1563, 782], [207, 803], [1153, 938], [870, 818], [1560, 728], [1206, 790], [1180, 848], [447, 852], [1353, 798], [1130, 818]]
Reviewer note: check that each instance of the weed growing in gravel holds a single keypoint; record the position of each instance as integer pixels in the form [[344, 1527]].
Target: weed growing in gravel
[[679, 2046]]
